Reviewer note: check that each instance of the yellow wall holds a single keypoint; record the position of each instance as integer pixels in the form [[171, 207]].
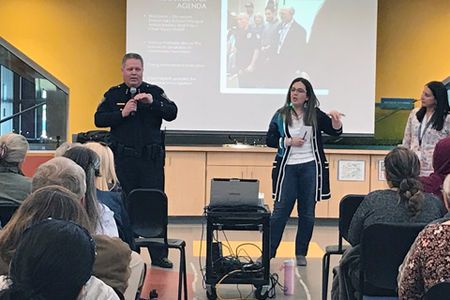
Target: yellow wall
[[81, 43], [413, 46]]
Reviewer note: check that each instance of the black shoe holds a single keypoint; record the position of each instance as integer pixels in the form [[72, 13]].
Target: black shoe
[[163, 263]]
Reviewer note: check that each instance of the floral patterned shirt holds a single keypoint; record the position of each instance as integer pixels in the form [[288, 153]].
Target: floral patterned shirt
[[427, 262], [430, 137]]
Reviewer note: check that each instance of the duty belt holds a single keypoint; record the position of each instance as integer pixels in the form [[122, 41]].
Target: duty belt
[[153, 151]]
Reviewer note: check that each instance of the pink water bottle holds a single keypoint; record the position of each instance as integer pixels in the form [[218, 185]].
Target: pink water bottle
[[288, 267]]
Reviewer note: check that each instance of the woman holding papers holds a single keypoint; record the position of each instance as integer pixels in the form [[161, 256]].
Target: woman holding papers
[[300, 168]]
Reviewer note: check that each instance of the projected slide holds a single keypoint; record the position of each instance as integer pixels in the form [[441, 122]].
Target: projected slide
[[228, 63]]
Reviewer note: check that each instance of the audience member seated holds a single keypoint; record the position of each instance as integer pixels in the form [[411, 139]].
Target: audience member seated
[[108, 180], [14, 186], [51, 201], [90, 162], [113, 256], [404, 202], [105, 182], [64, 147], [427, 262], [441, 168], [446, 194], [54, 261]]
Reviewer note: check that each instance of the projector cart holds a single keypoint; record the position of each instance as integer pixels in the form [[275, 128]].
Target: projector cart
[[237, 219]]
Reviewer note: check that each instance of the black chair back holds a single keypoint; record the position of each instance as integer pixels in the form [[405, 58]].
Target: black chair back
[[347, 208], [6, 212], [147, 209], [383, 248], [439, 291]]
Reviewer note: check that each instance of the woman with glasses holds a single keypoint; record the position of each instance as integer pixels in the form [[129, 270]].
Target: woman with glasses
[[300, 168]]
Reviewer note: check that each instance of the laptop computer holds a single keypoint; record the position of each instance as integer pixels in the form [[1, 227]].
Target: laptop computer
[[232, 192]]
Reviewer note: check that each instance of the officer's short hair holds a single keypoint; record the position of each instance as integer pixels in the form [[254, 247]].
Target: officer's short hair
[[60, 171], [130, 56]]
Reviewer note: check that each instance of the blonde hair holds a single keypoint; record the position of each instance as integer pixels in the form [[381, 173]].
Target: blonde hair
[[108, 178], [13, 148], [446, 186]]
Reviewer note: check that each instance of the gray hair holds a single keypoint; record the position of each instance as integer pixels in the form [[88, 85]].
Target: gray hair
[[13, 148], [132, 56], [63, 172], [64, 147]]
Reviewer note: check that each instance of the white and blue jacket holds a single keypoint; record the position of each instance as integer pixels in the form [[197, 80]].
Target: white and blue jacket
[[278, 131]]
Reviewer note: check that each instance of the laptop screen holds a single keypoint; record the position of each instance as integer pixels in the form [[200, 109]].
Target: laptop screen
[[234, 192]]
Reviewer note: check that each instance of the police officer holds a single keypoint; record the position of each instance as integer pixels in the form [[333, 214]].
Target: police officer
[[134, 111]]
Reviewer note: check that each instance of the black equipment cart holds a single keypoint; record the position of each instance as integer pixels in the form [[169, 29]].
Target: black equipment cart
[[242, 218]]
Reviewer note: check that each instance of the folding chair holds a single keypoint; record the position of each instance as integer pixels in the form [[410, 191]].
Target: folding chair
[[347, 208], [383, 248], [439, 291], [148, 216]]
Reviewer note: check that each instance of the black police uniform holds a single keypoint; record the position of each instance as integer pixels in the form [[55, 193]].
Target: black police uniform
[[136, 140]]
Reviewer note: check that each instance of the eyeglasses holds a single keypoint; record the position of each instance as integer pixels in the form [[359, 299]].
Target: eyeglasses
[[299, 90]]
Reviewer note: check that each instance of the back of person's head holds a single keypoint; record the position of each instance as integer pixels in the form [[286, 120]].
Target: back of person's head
[[53, 261], [446, 187], [107, 178], [89, 161], [441, 157], [63, 172], [402, 172], [51, 201], [64, 147], [13, 148]]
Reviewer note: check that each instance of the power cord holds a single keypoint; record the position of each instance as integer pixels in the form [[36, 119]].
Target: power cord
[[273, 278]]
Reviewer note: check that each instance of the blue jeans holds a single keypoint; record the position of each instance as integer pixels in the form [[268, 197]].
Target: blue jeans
[[299, 184]]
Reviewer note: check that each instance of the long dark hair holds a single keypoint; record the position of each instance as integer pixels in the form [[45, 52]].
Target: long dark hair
[[49, 201], [53, 261], [309, 115], [402, 171], [442, 108], [90, 162]]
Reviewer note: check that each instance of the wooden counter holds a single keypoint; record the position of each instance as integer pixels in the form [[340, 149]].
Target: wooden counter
[[189, 171]]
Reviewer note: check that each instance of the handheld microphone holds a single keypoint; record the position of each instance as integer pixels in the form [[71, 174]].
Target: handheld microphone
[[132, 93]]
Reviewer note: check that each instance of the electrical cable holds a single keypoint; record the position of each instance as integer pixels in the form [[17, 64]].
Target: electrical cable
[[222, 279], [226, 238]]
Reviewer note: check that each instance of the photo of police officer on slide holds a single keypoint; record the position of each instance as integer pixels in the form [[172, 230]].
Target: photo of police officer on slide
[[134, 111]]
